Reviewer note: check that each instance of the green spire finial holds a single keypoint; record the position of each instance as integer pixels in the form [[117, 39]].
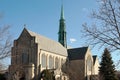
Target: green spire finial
[[62, 12]]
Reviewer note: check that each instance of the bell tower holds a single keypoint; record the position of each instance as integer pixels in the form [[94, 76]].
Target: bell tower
[[62, 29]]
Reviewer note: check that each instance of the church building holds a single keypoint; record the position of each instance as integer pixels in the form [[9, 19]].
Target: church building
[[33, 53]]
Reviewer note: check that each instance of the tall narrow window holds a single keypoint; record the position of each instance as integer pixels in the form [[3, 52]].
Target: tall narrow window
[[51, 62], [62, 62], [56, 63], [44, 61], [24, 58]]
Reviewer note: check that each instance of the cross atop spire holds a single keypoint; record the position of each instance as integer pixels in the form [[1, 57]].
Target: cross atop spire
[[24, 25]]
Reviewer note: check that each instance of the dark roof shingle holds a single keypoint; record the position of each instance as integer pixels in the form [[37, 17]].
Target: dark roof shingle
[[77, 53]]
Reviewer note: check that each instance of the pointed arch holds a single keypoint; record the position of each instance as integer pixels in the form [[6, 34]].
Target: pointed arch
[[44, 61], [56, 62], [51, 62]]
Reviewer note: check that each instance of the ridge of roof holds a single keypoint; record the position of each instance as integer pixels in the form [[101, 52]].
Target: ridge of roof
[[78, 48], [37, 34]]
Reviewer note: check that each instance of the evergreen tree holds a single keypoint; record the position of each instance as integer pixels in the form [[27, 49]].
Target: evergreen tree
[[107, 68], [48, 75], [2, 77]]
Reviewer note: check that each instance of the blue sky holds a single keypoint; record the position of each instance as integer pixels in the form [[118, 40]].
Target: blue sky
[[42, 16]]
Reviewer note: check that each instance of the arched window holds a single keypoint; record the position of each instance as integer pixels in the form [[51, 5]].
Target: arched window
[[24, 58], [56, 63], [51, 62], [43, 61], [62, 62]]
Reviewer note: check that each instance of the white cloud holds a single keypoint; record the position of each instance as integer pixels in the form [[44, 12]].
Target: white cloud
[[85, 10], [72, 40]]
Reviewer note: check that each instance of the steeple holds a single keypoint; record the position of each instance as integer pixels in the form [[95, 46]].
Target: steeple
[[62, 29], [62, 12]]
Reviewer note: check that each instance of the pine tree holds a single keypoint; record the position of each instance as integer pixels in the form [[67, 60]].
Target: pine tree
[[107, 68], [48, 75]]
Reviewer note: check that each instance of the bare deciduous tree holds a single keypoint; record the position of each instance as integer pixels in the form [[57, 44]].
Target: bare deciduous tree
[[105, 32], [5, 42]]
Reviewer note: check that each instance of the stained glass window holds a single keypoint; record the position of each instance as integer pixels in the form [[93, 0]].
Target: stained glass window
[[24, 58], [44, 61], [51, 62], [56, 63]]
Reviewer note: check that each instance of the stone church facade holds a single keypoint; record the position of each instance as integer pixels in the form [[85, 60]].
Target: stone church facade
[[33, 53]]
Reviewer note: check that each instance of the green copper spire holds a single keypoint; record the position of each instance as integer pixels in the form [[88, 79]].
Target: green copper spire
[[62, 29], [62, 12]]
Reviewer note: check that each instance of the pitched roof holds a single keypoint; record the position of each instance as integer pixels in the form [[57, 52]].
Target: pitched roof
[[77, 53], [48, 44]]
